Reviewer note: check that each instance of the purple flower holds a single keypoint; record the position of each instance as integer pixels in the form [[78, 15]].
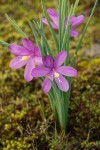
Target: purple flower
[[53, 70], [74, 21], [28, 55]]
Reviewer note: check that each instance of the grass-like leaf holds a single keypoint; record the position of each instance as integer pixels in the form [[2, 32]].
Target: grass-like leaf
[[4, 43], [15, 26], [83, 34], [51, 29], [37, 38], [44, 38], [42, 41], [60, 106], [53, 103], [81, 39], [64, 12], [66, 35], [60, 24], [75, 7]]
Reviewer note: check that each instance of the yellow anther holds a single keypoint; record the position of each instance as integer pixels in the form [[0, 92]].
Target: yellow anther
[[56, 75], [24, 58]]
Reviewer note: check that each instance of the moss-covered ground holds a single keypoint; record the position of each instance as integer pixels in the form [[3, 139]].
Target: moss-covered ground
[[26, 118]]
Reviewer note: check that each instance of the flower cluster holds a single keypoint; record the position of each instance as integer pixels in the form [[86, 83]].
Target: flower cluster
[[52, 70], [74, 21], [28, 55], [49, 68]]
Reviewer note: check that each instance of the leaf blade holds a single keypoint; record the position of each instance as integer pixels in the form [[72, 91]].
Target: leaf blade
[[51, 29], [15, 26], [3, 43]]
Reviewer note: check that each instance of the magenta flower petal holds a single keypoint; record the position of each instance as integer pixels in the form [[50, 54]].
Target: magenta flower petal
[[28, 44], [44, 20], [78, 21], [60, 58], [17, 62], [72, 19], [37, 51], [50, 75], [48, 61], [38, 61], [18, 50], [54, 26], [28, 70], [74, 33], [40, 71], [62, 83], [53, 15], [46, 85], [67, 71]]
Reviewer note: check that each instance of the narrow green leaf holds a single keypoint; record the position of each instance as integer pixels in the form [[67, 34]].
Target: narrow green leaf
[[4, 43], [59, 106], [44, 38], [81, 39], [67, 99], [53, 103], [83, 34], [67, 45], [51, 29], [36, 38], [66, 35], [33, 30], [42, 41], [15, 26], [75, 7], [60, 24], [68, 5], [64, 13]]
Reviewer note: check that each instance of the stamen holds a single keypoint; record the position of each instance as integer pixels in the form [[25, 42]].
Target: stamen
[[25, 58], [56, 75], [59, 80]]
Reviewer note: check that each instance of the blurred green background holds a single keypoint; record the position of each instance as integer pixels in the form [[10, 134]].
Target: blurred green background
[[26, 119]]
